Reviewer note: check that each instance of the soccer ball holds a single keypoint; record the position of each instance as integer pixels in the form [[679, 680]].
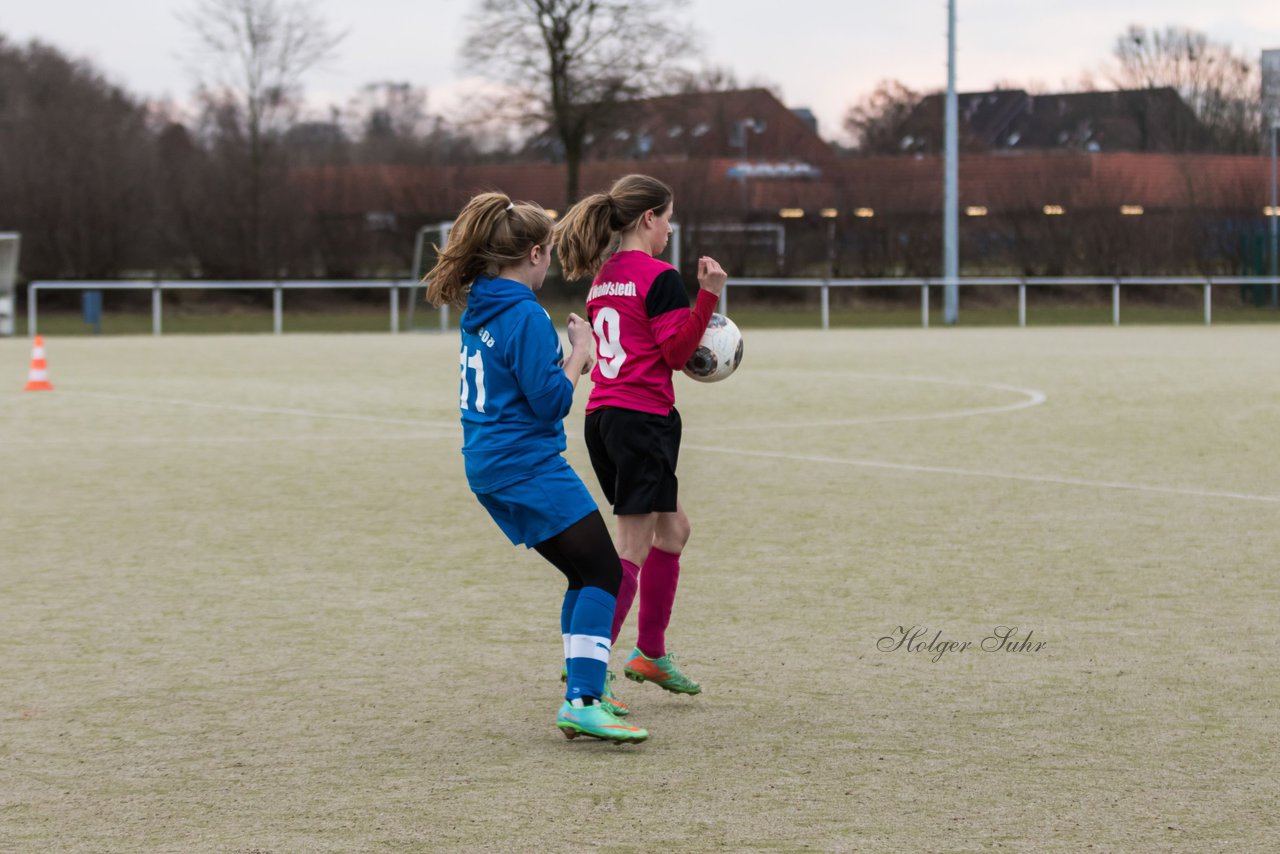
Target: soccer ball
[[719, 352]]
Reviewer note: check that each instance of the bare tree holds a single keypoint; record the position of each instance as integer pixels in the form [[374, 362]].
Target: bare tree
[[390, 120], [719, 78], [253, 55], [1220, 85], [711, 78], [569, 64], [391, 110], [873, 121], [77, 176]]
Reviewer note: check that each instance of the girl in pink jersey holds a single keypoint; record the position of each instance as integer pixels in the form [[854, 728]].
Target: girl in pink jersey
[[645, 330]]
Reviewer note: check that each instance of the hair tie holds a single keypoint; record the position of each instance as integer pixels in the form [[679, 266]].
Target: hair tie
[[511, 206]]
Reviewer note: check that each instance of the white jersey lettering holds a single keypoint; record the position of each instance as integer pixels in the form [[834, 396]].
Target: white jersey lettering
[[612, 289]]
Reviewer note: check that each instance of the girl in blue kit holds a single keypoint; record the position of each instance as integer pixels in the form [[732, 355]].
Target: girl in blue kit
[[515, 389]]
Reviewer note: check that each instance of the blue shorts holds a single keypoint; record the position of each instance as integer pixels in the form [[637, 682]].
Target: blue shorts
[[537, 509]]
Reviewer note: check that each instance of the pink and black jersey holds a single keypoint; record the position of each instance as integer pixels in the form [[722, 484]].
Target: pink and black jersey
[[635, 303]]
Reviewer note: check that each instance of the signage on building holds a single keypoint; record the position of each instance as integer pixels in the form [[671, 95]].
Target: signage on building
[[773, 170]]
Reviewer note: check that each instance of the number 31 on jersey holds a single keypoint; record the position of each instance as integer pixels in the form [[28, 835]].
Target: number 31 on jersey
[[476, 363]]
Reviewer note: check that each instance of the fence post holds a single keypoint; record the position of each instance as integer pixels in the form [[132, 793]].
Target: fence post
[[395, 309], [826, 307], [723, 306], [277, 309], [1208, 302], [1022, 303], [31, 310], [155, 309], [444, 317], [1115, 304], [924, 305]]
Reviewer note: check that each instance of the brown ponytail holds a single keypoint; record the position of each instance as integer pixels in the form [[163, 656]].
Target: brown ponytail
[[490, 233], [583, 236]]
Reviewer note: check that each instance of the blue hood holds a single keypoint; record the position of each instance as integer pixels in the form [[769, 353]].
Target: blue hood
[[490, 297]]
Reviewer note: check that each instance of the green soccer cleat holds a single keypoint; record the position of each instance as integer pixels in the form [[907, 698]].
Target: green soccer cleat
[[615, 705], [619, 708], [596, 721], [662, 672]]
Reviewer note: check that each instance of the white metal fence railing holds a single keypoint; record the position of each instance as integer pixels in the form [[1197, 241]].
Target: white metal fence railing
[[1115, 283], [824, 287], [158, 287]]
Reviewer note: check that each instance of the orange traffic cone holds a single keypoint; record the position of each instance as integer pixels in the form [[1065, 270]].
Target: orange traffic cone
[[38, 379]]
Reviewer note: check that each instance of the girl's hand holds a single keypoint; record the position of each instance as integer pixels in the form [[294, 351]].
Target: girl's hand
[[711, 276], [582, 341], [579, 333]]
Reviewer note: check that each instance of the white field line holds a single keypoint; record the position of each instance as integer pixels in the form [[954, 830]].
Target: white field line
[[995, 475], [1031, 397]]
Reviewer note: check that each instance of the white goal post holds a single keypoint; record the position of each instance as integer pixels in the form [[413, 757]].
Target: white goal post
[[10, 242], [441, 229]]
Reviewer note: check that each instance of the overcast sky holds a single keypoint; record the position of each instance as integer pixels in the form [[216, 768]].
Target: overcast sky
[[823, 54]]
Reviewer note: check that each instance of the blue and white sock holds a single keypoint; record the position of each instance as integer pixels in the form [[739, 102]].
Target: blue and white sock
[[588, 643], [566, 617]]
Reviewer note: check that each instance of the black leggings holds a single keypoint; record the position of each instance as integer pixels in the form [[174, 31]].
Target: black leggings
[[584, 552]]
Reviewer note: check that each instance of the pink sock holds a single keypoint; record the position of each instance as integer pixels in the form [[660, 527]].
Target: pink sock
[[658, 579], [626, 595]]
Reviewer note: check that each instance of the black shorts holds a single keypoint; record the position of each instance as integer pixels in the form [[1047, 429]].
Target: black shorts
[[634, 455]]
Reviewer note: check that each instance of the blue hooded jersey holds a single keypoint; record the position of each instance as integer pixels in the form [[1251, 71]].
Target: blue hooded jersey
[[514, 394]]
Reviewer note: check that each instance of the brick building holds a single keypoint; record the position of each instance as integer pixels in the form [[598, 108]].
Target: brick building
[[1031, 200]]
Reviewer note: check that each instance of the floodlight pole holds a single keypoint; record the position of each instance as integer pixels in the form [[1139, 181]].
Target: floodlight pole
[[743, 127], [951, 201]]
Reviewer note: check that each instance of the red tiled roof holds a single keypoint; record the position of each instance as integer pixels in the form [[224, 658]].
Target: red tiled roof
[[703, 125], [1138, 120]]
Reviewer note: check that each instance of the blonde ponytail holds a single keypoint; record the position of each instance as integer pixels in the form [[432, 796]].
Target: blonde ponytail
[[583, 236], [490, 233]]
